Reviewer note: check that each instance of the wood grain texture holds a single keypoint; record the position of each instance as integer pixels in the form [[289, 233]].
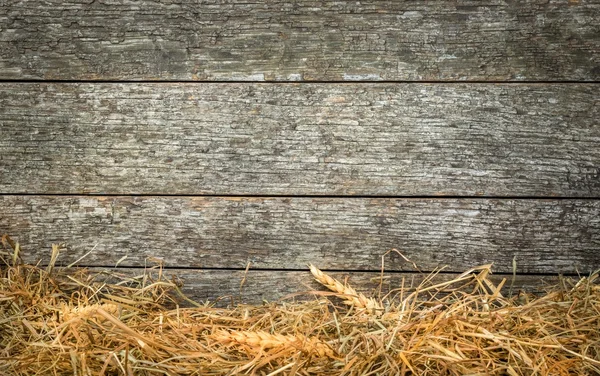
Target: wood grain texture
[[301, 139], [223, 286], [300, 40], [546, 236]]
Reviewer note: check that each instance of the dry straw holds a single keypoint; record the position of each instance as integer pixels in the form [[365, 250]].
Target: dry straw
[[57, 321]]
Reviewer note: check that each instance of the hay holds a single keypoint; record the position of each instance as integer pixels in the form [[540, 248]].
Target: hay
[[68, 322]]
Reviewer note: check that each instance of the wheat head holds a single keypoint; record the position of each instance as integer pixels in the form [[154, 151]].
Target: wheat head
[[259, 340], [87, 311], [352, 297]]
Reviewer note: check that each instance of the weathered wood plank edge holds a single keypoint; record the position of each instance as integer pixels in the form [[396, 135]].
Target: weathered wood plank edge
[[262, 286], [243, 139], [295, 83], [175, 269], [268, 196], [275, 40], [545, 236]]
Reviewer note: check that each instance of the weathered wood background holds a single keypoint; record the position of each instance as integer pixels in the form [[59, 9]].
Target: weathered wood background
[[460, 133]]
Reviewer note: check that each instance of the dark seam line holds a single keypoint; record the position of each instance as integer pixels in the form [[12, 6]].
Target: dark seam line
[[27, 81], [133, 195], [233, 269]]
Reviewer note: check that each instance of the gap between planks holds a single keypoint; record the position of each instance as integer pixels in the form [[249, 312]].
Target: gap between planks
[[300, 270], [255, 287]]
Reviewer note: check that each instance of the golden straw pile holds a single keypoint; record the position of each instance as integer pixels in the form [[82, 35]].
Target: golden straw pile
[[68, 322]]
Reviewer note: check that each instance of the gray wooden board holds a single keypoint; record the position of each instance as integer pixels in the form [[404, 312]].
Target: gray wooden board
[[300, 40], [272, 286], [546, 236], [301, 139]]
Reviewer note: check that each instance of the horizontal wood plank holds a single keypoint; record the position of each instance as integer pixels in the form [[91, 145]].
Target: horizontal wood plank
[[226, 287], [301, 139], [544, 236], [300, 40]]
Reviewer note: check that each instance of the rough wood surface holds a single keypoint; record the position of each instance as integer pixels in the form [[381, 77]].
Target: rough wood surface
[[300, 40], [547, 236], [299, 139], [260, 286]]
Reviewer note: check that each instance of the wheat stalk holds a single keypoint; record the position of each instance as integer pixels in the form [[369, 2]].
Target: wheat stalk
[[352, 297], [259, 340]]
